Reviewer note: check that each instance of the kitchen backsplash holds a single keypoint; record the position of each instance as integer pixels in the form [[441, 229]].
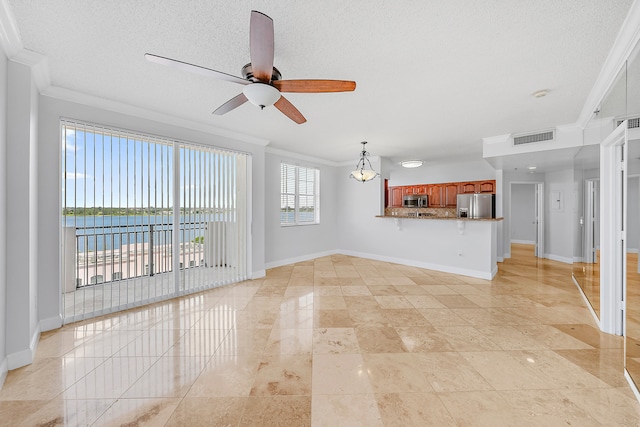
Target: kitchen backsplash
[[437, 212]]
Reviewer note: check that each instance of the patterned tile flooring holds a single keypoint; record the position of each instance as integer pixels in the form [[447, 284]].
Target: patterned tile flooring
[[337, 341]]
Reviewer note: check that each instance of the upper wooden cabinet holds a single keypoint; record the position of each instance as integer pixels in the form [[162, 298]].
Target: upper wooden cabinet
[[409, 190], [440, 195], [468, 188], [487, 186], [450, 192], [477, 187], [443, 195], [395, 197], [435, 195]]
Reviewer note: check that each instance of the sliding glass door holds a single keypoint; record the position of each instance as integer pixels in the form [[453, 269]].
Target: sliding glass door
[[146, 218]]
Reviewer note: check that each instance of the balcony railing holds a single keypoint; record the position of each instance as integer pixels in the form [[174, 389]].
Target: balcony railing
[[117, 252]]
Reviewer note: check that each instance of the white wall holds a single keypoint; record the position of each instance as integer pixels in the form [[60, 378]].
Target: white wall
[[359, 203], [442, 172], [21, 216], [523, 228], [3, 217], [559, 216], [51, 109], [285, 245]]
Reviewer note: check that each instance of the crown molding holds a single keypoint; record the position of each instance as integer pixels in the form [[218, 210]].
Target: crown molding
[[119, 107], [297, 156], [15, 51], [39, 67], [9, 34], [625, 42]]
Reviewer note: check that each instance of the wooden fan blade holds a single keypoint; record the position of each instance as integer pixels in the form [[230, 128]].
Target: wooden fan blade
[[194, 68], [234, 102], [261, 46], [289, 110], [314, 86]]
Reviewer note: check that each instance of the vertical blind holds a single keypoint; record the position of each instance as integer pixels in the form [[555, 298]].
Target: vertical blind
[[146, 218]]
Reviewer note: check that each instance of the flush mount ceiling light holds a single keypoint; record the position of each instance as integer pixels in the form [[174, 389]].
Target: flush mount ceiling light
[[532, 168], [261, 94], [541, 93], [412, 163], [361, 174]]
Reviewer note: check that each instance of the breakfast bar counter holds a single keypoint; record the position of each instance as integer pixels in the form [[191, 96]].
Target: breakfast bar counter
[[441, 242]]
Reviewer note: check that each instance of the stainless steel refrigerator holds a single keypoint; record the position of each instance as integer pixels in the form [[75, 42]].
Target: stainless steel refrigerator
[[476, 205]]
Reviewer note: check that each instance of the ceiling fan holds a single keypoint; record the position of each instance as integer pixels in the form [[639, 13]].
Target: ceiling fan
[[262, 81]]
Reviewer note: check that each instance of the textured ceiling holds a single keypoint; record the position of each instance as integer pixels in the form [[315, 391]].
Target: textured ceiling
[[433, 77]]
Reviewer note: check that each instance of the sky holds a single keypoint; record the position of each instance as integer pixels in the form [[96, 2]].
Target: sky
[[118, 170]]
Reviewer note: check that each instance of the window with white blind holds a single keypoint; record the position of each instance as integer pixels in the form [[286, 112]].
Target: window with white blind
[[299, 195]]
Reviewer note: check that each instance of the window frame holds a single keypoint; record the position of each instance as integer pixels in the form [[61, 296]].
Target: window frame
[[296, 194]]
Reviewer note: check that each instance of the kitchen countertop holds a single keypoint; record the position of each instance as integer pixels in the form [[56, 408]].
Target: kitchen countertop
[[432, 217]]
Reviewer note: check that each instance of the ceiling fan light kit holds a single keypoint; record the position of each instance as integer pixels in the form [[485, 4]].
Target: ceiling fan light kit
[[263, 84], [360, 173], [261, 94]]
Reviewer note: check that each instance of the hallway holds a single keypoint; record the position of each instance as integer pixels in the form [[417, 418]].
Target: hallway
[[338, 341]]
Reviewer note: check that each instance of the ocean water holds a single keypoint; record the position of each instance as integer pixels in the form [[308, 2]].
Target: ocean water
[[100, 232]]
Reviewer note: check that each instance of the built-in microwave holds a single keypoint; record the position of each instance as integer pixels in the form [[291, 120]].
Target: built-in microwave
[[415, 201]]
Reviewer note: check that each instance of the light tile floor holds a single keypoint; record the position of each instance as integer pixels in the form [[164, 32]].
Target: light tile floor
[[338, 341]]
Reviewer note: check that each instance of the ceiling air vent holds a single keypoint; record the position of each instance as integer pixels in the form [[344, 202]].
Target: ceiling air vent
[[535, 137], [633, 122]]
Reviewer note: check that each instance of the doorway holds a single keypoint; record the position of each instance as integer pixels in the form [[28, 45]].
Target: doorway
[[526, 218], [613, 226]]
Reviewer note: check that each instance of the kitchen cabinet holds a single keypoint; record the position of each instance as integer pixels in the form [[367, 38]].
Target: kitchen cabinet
[[409, 190], [395, 197], [468, 188], [477, 187], [440, 195], [443, 195], [434, 192], [487, 187], [450, 192]]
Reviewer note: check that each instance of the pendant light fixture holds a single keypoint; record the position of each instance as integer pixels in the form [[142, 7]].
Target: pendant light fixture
[[361, 173]]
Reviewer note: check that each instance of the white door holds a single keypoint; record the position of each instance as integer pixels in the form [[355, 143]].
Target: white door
[[539, 221]]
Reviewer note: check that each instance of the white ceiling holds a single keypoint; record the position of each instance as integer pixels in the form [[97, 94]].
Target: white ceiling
[[433, 77]]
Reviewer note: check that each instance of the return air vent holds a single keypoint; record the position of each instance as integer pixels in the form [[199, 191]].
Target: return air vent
[[633, 122], [535, 137]]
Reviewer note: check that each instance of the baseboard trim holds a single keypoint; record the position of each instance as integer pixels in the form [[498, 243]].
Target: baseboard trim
[[559, 258], [500, 259], [632, 384], [429, 266], [586, 301], [24, 357], [51, 323], [524, 242], [258, 274], [4, 369], [577, 259], [632, 250], [301, 258]]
